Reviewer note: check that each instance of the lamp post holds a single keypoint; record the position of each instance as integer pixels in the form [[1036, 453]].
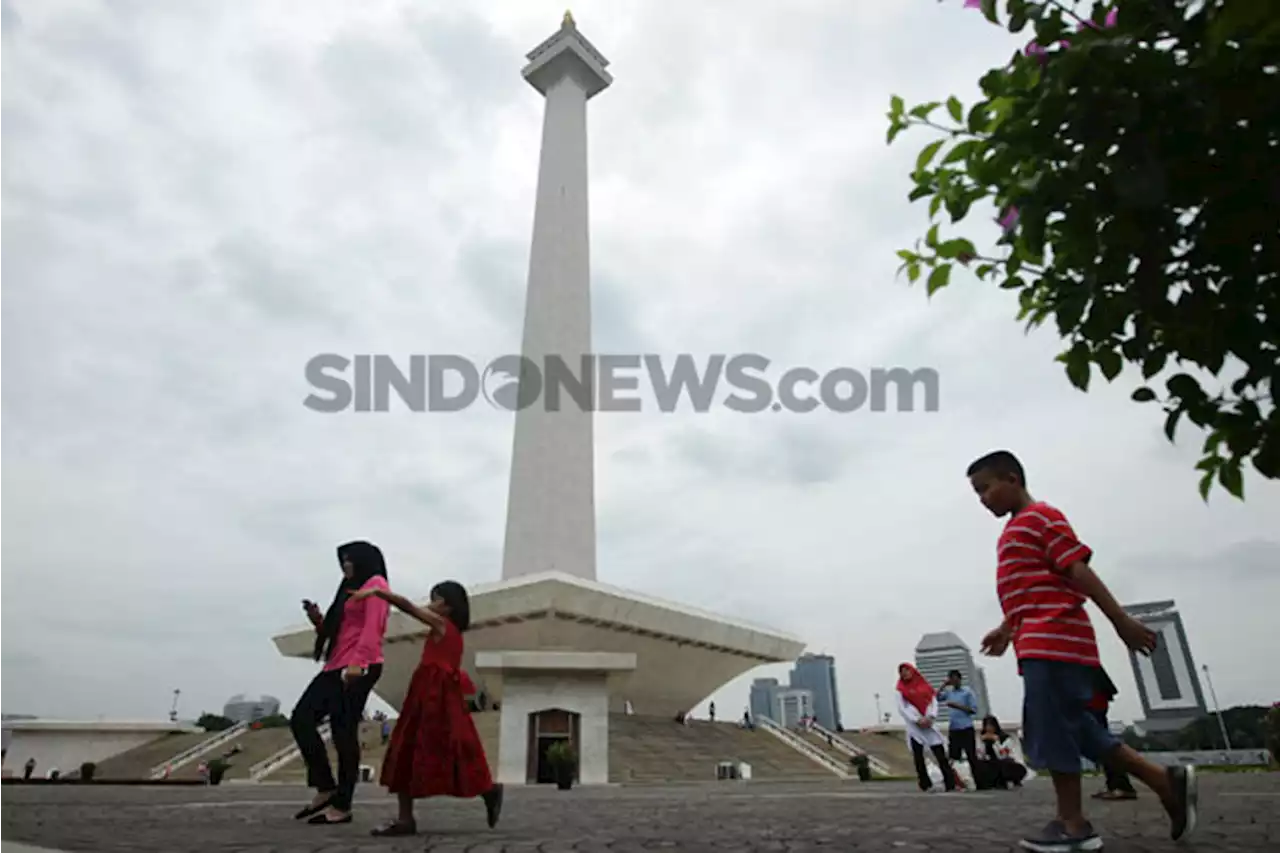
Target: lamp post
[[173, 711], [879, 716], [1217, 709]]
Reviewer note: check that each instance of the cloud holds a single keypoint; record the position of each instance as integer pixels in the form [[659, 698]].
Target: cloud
[[199, 197]]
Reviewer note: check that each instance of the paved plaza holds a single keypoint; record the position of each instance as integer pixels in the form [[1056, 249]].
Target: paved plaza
[[1239, 813]]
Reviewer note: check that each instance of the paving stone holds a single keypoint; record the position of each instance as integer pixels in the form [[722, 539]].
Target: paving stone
[[1240, 813]]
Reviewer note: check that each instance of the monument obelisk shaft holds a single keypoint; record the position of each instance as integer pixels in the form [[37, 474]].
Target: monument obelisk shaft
[[551, 517]]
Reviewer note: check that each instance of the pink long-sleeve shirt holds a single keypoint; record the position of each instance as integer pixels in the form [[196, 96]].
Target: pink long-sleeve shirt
[[364, 622]]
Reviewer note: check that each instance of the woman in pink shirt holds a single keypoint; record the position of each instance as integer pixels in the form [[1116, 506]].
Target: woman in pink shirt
[[349, 640]]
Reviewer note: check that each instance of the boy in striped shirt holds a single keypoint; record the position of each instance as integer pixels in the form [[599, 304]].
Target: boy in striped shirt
[[1043, 580]]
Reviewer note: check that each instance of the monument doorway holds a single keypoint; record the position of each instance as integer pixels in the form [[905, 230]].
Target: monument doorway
[[547, 728]]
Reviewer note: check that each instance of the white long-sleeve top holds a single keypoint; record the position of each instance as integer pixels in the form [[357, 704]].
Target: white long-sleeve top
[[927, 737]]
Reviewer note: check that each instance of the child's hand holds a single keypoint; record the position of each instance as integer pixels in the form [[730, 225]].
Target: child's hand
[[996, 642], [1136, 636]]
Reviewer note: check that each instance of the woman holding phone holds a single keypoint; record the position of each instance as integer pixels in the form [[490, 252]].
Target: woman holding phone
[[349, 642]]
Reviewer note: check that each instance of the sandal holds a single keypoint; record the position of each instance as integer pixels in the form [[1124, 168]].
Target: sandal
[[308, 811], [1116, 795], [322, 819], [395, 829]]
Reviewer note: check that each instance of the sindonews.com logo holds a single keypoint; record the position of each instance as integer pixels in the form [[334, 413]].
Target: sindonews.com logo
[[609, 383]]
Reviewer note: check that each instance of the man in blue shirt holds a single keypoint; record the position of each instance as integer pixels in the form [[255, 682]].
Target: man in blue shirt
[[962, 707]]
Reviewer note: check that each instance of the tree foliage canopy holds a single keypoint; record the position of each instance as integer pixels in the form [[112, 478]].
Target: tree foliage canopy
[[1131, 151]]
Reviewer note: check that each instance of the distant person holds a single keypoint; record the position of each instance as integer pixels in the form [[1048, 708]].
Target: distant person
[[349, 641], [1119, 786], [962, 706], [997, 766], [386, 731], [28, 768], [1043, 579], [435, 750], [711, 712], [918, 705]]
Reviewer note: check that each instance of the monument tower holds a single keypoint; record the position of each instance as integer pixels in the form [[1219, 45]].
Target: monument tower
[[551, 515]]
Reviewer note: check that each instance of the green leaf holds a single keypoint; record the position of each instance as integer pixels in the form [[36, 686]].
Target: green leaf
[[1206, 483], [961, 151], [934, 204], [931, 236], [928, 153], [1171, 422], [913, 272], [896, 106], [938, 279], [1077, 360], [907, 255], [989, 11], [1018, 21], [1184, 387], [1153, 363], [955, 109], [1143, 395], [922, 111], [1230, 478], [957, 248], [1109, 362]]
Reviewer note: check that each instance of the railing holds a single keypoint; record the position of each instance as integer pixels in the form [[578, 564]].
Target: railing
[[802, 746], [851, 750], [278, 759], [192, 753]]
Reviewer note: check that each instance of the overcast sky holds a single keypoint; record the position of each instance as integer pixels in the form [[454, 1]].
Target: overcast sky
[[199, 196]]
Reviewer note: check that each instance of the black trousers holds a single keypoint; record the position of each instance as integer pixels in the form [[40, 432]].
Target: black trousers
[[1117, 780], [343, 704], [963, 743], [922, 772]]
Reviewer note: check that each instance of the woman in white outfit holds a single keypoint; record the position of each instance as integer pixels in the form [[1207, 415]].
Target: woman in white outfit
[[918, 705]]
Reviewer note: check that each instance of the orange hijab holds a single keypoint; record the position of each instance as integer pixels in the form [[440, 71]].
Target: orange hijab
[[916, 690]]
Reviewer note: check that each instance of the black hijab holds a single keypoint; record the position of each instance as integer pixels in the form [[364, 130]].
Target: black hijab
[[368, 562]]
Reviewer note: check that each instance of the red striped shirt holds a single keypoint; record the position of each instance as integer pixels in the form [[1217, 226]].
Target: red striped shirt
[[1048, 616]]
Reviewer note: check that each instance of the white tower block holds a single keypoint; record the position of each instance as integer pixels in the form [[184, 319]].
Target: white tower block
[[551, 517]]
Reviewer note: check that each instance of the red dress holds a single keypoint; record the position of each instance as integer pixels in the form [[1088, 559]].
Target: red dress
[[434, 750]]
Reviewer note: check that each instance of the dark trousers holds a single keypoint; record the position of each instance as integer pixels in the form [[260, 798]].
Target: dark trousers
[[922, 772], [343, 705], [1117, 780], [963, 743]]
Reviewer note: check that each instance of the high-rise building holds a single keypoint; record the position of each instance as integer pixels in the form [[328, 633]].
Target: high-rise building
[[937, 654], [817, 674], [243, 709], [1168, 685], [786, 706], [760, 699], [791, 705]]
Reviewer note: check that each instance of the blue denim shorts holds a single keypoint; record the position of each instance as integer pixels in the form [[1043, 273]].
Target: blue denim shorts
[[1057, 725]]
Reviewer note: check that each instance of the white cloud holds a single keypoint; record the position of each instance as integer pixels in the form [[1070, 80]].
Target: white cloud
[[200, 196]]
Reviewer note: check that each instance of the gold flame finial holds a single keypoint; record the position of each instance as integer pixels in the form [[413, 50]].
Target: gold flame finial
[[568, 19]]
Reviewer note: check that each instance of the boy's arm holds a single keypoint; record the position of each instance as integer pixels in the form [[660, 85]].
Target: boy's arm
[[1070, 558], [1135, 635]]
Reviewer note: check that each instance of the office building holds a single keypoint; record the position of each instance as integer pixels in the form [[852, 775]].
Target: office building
[[760, 699], [244, 709], [937, 654], [1168, 684], [817, 674]]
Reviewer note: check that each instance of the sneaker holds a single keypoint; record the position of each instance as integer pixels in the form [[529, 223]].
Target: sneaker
[[1182, 810], [1054, 838]]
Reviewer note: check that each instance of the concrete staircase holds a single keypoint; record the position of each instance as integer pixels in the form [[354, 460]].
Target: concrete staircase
[[654, 749], [889, 747], [166, 768], [255, 745], [138, 763]]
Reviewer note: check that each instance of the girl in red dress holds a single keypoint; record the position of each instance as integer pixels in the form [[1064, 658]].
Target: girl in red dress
[[434, 750]]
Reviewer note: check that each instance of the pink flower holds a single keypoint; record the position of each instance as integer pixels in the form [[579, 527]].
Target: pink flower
[[1113, 18], [973, 4], [1008, 221]]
